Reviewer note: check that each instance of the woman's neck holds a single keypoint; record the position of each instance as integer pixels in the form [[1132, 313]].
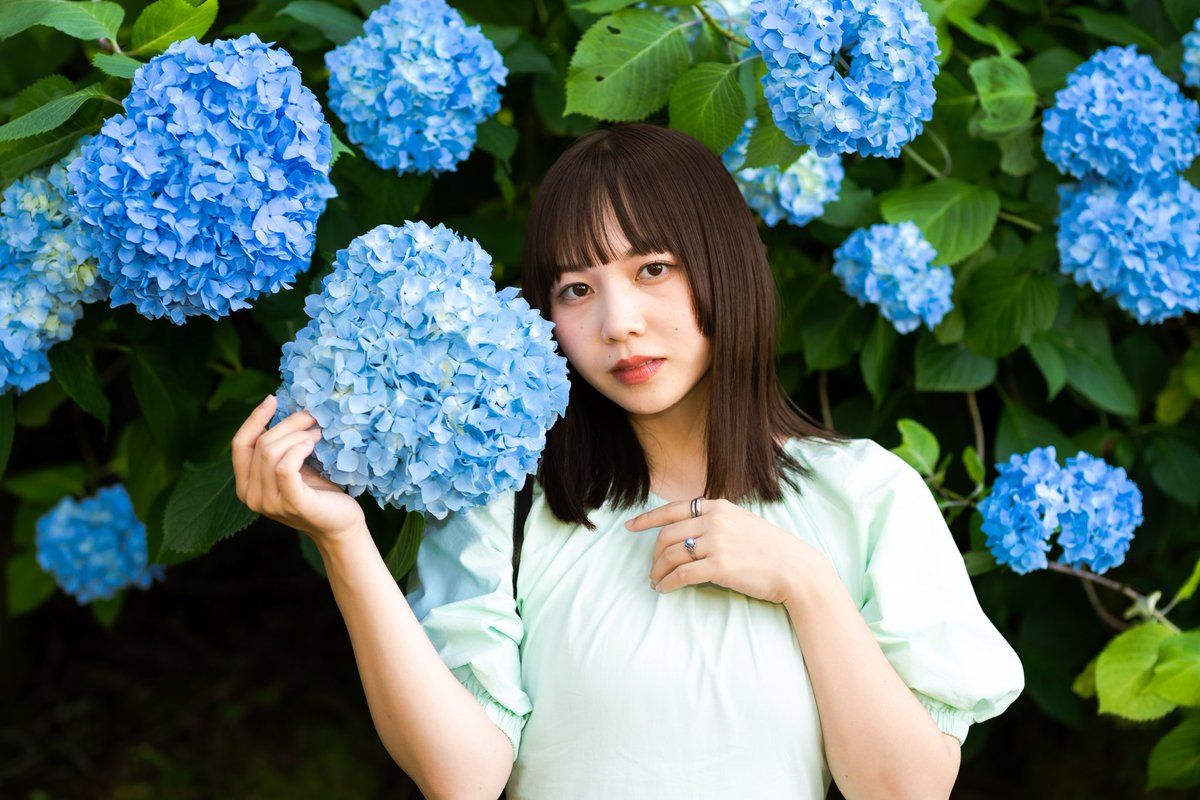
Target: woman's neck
[[676, 449]]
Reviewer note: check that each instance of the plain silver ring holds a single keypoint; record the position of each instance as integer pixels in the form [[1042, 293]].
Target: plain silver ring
[[696, 506]]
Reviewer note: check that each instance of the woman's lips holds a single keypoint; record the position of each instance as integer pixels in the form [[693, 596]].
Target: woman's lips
[[638, 374]]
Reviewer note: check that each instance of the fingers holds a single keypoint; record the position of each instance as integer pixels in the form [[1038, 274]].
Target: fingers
[[663, 515], [275, 468], [242, 446], [288, 481], [674, 557]]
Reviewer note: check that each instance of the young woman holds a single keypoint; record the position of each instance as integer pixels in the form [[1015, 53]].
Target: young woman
[[715, 598]]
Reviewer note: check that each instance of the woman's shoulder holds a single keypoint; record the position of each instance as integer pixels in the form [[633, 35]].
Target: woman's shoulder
[[850, 467]]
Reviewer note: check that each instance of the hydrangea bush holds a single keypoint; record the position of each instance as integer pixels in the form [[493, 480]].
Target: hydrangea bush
[[432, 390], [892, 267], [415, 85], [96, 546], [797, 193], [204, 194], [46, 274], [847, 75]]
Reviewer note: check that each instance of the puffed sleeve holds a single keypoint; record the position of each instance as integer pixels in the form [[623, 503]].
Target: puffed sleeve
[[461, 590], [919, 602]]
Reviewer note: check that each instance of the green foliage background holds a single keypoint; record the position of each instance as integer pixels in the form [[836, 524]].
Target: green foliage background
[[234, 678]]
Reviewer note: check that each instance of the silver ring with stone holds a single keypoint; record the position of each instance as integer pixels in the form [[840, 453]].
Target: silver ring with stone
[[689, 544]]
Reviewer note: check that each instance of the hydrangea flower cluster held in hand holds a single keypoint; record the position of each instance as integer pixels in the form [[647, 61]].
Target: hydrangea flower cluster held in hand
[[46, 274], [887, 49], [432, 390], [205, 193], [415, 85], [892, 266], [96, 546], [1094, 507], [1129, 227], [797, 194]]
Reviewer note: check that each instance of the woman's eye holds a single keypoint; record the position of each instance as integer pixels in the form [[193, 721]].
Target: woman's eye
[[573, 290], [655, 270]]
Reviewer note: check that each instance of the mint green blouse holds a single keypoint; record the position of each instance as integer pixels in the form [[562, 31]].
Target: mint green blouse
[[609, 689]]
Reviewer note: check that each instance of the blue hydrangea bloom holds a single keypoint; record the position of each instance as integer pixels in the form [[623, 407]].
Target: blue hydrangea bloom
[[96, 546], [1191, 55], [797, 194], [46, 274], [205, 193], [892, 266], [1121, 119], [1139, 244], [886, 94], [1103, 508], [433, 391], [413, 87], [1023, 509]]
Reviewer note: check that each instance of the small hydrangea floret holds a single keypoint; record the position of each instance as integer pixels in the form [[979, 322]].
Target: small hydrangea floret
[[797, 194], [892, 267], [1119, 118], [847, 75], [46, 274], [1139, 244], [1191, 55], [205, 193], [415, 85], [432, 390], [96, 546]]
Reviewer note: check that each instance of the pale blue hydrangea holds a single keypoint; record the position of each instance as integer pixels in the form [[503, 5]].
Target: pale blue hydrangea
[[1121, 119], [1191, 56], [432, 390], [205, 193], [797, 194], [1022, 512], [847, 75], [1103, 508], [96, 546], [414, 86], [892, 266], [1138, 244], [46, 274]]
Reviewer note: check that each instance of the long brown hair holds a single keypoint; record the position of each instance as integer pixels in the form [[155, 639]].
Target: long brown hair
[[667, 193]]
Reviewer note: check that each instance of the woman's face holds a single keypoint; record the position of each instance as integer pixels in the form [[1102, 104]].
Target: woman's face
[[629, 329]]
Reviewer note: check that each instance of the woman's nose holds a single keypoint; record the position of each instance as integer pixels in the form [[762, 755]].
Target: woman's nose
[[622, 318]]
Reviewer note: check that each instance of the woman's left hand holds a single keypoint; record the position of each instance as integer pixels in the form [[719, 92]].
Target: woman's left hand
[[734, 548]]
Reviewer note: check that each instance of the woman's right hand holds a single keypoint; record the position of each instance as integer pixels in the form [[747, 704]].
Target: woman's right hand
[[273, 479]]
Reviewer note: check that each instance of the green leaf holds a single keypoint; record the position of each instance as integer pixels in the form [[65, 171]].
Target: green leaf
[[1020, 430], [1084, 684], [1174, 465], [854, 207], [339, 148], [1173, 403], [973, 464], [978, 562], [49, 116], [46, 484], [1005, 305], [81, 20], [163, 406], [1051, 365], [8, 428], [769, 146], [403, 554], [71, 364], [28, 584], [524, 58], [989, 35], [624, 66], [878, 358], [1177, 673], [338, 24], [118, 65], [918, 446], [1124, 670], [957, 218], [39, 93], [834, 327], [1017, 152], [248, 386], [1189, 586], [164, 22], [106, 610], [1116, 28], [25, 155], [951, 368], [496, 138], [707, 103], [1005, 92], [1048, 70], [204, 508], [1092, 368], [1175, 760]]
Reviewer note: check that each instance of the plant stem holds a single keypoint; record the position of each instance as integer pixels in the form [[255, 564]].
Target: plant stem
[[941, 146], [977, 422], [721, 31], [921, 162], [1116, 586], [1021, 221], [823, 391]]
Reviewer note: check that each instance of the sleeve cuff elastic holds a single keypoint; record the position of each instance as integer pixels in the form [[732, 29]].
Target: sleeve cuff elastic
[[948, 719], [509, 723]]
